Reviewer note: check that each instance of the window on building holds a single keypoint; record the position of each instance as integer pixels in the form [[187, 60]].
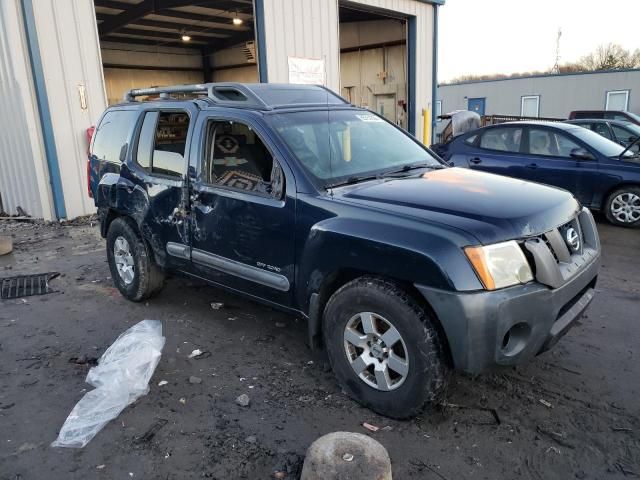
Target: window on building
[[237, 158], [162, 143], [438, 110], [617, 100], [111, 139], [530, 106], [550, 143], [505, 139]]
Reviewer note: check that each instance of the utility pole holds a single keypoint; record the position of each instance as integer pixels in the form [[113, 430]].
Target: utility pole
[[556, 66]]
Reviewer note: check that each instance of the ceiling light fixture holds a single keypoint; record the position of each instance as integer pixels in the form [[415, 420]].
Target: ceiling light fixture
[[185, 36], [237, 20]]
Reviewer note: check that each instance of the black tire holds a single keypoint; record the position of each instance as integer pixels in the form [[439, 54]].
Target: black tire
[[427, 371], [148, 278], [630, 190]]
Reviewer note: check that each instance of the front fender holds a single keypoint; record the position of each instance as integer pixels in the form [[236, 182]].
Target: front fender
[[415, 252]]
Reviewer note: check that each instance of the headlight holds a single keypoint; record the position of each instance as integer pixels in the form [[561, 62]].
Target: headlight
[[499, 265]]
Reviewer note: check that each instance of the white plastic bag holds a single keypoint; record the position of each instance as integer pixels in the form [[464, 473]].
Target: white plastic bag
[[121, 377]]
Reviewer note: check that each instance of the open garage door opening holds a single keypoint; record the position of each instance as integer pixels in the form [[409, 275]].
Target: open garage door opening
[[373, 61], [150, 43]]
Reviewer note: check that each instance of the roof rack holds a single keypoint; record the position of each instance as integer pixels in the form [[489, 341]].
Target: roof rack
[[263, 96], [226, 94]]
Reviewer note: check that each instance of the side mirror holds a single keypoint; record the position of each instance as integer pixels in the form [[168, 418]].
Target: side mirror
[[581, 154], [123, 153]]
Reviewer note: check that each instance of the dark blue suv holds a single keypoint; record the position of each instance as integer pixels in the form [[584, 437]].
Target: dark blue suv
[[402, 266], [602, 174]]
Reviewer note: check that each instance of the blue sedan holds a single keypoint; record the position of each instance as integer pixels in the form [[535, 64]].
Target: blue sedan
[[599, 172]]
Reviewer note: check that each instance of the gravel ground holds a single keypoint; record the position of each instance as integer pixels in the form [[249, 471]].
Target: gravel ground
[[573, 412]]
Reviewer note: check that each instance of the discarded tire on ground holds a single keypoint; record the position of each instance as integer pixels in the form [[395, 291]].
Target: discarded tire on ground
[[6, 244], [343, 455]]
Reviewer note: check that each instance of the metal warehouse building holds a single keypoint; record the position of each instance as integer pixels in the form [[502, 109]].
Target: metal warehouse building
[[63, 61], [551, 96]]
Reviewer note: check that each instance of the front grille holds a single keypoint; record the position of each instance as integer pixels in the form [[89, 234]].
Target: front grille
[[561, 253]]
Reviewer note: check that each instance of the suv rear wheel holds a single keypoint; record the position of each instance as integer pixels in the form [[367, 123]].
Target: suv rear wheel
[[383, 347], [132, 267], [623, 207]]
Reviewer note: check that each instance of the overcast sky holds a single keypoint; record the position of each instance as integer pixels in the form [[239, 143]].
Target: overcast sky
[[506, 36]]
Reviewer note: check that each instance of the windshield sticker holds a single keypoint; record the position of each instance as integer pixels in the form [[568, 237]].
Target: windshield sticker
[[369, 118]]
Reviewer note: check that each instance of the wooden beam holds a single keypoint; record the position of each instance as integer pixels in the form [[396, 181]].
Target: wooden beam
[[164, 35], [206, 18], [134, 12], [191, 29], [150, 42], [150, 67]]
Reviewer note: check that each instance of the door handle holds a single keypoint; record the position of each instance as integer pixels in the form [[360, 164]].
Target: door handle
[[475, 160], [532, 166]]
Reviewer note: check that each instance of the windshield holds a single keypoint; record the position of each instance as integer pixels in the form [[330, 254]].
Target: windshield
[[336, 145], [603, 145]]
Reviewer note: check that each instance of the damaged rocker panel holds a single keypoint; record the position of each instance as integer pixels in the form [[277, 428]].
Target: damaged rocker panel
[[179, 250], [232, 267]]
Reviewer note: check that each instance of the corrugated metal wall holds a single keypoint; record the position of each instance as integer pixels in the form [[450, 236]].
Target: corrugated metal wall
[[302, 28], [72, 64], [119, 80], [24, 178], [559, 95], [423, 12], [310, 28]]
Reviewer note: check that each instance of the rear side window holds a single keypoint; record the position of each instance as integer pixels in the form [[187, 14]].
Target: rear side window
[[502, 139], [112, 135], [162, 143], [550, 144], [471, 140]]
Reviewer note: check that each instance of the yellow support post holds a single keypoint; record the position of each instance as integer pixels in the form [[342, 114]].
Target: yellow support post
[[426, 124]]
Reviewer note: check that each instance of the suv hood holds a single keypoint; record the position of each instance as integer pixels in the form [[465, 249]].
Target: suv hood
[[490, 207]]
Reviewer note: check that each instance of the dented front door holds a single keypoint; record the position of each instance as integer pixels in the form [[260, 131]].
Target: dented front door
[[242, 210]]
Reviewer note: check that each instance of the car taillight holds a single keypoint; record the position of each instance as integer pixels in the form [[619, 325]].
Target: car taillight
[[89, 132]]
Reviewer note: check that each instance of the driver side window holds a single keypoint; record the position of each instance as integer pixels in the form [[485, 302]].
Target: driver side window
[[236, 158]]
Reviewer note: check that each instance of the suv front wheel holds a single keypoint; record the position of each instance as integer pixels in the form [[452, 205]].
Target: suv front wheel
[[131, 262], [383, 347]]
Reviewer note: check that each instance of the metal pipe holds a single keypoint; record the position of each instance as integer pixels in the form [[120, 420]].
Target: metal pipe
[[434, 74]]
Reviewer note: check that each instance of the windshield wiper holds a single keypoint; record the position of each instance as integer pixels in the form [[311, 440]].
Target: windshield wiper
[[362, 178], [409, 167], [353, 179], [621, 156]]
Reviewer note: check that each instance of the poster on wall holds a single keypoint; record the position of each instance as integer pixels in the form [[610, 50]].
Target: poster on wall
[[308, 71]]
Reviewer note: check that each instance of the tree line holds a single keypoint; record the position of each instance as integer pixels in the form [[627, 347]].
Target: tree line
[[610, 56]]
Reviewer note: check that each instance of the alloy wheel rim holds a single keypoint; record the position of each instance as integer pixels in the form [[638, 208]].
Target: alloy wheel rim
[[124, 260], [625, 207], [376, 351]]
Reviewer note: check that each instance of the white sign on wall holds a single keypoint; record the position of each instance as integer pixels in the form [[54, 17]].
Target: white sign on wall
[[310, 71]]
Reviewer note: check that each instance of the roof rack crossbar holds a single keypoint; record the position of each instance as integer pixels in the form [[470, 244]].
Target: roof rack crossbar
[[216, 92]]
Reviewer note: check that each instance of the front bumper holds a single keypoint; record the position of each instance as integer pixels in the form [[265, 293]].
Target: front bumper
[[506, 327]]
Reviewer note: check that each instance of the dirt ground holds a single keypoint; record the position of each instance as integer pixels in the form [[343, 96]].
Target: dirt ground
[[571, 413]]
